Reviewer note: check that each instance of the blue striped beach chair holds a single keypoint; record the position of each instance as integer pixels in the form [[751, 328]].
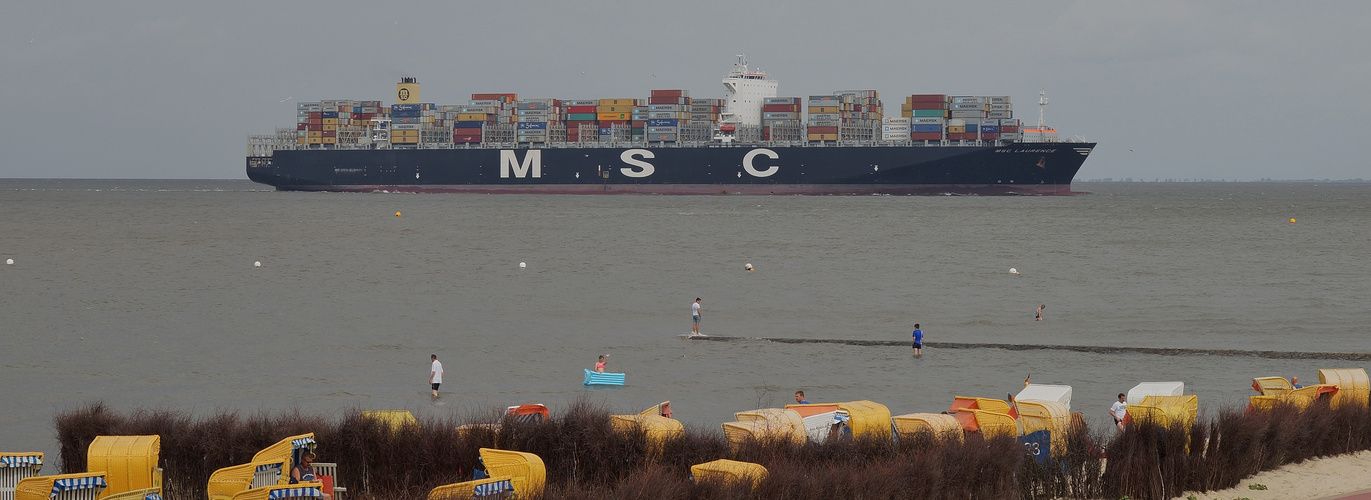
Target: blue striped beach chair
[[81, 486], [15, 467]]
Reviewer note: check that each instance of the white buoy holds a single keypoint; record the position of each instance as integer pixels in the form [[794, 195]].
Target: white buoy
[[1013, 271], [257, 264], [522, 265], [9, 262], [748, 266]]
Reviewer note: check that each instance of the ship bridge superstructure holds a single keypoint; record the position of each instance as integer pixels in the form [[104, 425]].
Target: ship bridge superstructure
[[746, 89]]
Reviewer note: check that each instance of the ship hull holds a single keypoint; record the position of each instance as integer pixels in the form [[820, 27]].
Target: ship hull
[[1018, 168]]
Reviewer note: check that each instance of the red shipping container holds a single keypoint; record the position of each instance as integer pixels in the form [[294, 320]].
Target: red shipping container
[[926, 136], [575, 125], [823, 130], [780, 108], [495, 97], [316, 114], [466, 131], [330, 133], [668, 100], [302, 126], [928, 98], [766, 135], [638, 123], [581, 109], [316, 121], [1009, 128], [990, 136], [668, 93]]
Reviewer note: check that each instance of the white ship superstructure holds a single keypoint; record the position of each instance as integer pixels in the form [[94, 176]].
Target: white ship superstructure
[[746, 90]]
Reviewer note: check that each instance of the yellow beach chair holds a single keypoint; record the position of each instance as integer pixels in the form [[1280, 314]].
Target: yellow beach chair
[[301, 491], [80, 486], [525, 470], [936, 426], [492, 488], [728, 471], [129, 463]]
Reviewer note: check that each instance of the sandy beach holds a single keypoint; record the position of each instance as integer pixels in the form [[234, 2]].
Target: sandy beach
[[1328, 478]]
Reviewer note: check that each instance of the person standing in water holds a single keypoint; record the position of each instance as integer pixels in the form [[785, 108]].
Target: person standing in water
[[1039, 314], [600, 365], [695, 317], [918, 341], [435, 374]]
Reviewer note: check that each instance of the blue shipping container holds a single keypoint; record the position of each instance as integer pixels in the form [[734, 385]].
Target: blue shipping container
[[928, 128], [990, 129], [532, 125], [330, 114], [971, 127], [468, 124], [404, 107], [414, 113], [663, 122]]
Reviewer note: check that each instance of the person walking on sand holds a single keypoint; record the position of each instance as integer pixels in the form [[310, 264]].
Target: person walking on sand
[[600, 365], [695, 317], [918, 341], [435, 374], [1039, 314], [1118, 410]]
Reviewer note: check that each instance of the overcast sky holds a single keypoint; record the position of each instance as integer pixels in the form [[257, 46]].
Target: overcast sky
[[1235, 90]]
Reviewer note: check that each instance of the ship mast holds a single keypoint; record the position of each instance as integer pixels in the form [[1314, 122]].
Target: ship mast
[[1042, 104]]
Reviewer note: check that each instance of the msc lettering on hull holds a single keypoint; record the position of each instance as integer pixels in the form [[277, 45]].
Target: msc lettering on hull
[[636, 159]]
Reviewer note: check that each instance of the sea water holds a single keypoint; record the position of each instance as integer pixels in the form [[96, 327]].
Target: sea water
[[144, 295]]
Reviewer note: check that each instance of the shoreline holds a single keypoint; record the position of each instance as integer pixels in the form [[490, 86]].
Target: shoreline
[[1336, 477]]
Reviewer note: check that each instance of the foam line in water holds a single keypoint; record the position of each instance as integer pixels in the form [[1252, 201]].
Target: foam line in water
[[1098, 349]]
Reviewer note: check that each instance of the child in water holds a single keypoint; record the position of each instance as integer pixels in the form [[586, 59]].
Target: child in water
[[600, 365]]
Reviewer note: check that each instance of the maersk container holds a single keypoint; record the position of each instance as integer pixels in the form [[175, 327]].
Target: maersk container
[[998, 99], [1002, 107], [663, 122], [1009, 136], [961, 113], [663, 130], [967, 106], [667, 115], [824, 116], [999, 114], [894, 136], [892, 120], [780, 116], [966, 99], [780, 100], [666, 107], [404, 126], [903, 129]]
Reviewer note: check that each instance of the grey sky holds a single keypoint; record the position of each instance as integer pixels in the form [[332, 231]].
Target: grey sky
[[1230, 90]]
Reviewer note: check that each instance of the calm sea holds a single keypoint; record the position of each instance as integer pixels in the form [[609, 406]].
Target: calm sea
[[144, 294]]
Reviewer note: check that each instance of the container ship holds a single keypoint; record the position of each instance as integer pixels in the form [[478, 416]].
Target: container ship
[[751, 141]]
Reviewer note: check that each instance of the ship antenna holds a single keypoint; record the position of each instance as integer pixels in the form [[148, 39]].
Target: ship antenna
[[1042, 104]]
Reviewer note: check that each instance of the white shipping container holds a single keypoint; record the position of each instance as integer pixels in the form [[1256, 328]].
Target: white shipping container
[[1002, 107], [998, 99], [927, 120], [895, 128], [823, 116], [894, 136], [966, 99], [956, 122], [898, 120], [487, 103], [1009, 136]]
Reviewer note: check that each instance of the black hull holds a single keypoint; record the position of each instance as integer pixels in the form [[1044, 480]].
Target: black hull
[[1019, 168]]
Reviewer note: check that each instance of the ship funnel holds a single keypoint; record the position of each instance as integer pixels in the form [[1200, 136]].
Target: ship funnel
[[407, 91]]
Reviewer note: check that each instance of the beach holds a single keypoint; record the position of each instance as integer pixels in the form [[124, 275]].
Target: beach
[[1329, 478]]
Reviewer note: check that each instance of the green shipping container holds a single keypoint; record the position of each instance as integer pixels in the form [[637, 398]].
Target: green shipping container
[[576, 117], [930, 112]]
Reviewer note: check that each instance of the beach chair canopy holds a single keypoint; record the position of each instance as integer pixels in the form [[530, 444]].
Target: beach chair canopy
[[1353, 386], [229, 481], [738, 433], [129, 462], [50, 487], [657, 428], [1271, 386], [531, 413], [939, 426], [777, 416], [28, 459], [728, 471], [1145, 389], [1165, 416], [305, 491], [490, 487], [525, 470], [656, 409], [869, 419], [395, 420], [1046, 392], [822, 419], [286, 449], [973, 403], [1190, 402], [1051, 416]]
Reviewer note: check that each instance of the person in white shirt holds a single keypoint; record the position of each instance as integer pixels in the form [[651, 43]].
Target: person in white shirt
[[695, 315], [435, 374], [1118, 410]]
